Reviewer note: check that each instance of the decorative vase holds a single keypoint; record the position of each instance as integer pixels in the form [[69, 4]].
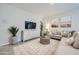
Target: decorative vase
[[13, 40]]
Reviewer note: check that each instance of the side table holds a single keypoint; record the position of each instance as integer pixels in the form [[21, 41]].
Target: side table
[[44, 40]]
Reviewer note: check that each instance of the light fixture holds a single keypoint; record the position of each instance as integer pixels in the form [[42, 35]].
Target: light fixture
[[51, 4], [47, 26]]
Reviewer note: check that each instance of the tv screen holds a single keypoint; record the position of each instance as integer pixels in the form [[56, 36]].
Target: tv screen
[[30, 25]]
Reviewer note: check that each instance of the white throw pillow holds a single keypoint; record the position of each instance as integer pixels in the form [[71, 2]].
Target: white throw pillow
[[75, 34], [70, 41], [76, 42]]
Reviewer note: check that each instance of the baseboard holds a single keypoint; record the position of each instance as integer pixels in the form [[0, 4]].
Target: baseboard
[[4, 44], [31, 39], [20, 41]]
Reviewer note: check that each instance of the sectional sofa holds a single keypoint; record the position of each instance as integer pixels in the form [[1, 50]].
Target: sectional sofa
[[68, 46]]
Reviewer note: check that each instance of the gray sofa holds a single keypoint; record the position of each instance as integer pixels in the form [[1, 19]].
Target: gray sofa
[[65, 48], [59, 34]]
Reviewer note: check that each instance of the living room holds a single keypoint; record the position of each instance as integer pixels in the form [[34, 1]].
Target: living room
[[40, 28]]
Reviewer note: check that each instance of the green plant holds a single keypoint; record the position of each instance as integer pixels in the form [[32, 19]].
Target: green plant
[[13, 30], [41, 28], [45, 33]]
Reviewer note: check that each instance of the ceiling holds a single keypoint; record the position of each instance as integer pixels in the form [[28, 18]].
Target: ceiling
[[45, 9]]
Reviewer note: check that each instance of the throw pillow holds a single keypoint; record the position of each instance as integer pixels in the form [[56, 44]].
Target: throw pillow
[[69, 35], [75, 34], [70, 41], [65, 33]]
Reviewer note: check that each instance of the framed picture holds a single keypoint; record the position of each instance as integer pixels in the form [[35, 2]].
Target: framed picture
[[65, 25], [65, 22], [54, 26]]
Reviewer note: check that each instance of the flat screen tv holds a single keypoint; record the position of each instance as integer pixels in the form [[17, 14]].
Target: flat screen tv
[[30, 25]]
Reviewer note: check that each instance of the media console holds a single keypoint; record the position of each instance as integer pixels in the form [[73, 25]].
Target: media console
[[29, 34]]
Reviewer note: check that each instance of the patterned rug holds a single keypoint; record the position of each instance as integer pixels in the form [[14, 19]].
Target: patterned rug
[[32, 47]]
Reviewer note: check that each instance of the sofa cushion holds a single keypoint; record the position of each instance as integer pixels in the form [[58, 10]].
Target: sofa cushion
[[70, 41], [56, 32], [65, 33], [75, 34], [76, 42], [72, 32], [65, 49]]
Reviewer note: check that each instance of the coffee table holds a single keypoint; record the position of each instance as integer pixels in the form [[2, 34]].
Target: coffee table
[[44, 40]]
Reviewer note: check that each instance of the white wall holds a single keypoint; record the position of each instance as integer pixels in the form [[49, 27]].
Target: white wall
[[32, 33], [74, 19], [12, 16]]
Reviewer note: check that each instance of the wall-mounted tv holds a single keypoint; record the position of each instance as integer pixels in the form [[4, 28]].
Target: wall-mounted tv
[[30, 25]]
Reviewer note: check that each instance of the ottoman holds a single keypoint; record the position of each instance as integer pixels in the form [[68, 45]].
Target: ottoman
[[44, 40]]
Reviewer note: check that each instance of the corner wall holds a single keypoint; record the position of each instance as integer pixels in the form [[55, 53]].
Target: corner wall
[[12, 16], [74, 18]]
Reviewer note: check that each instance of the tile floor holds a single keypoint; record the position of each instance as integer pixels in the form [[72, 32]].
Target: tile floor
[[32, 47]]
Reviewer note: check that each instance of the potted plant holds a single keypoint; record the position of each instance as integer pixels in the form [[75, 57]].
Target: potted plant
[[41, 29], [45, 33], [13, 30]]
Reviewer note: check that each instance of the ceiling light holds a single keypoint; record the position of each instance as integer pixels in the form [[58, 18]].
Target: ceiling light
[[51, 4]]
